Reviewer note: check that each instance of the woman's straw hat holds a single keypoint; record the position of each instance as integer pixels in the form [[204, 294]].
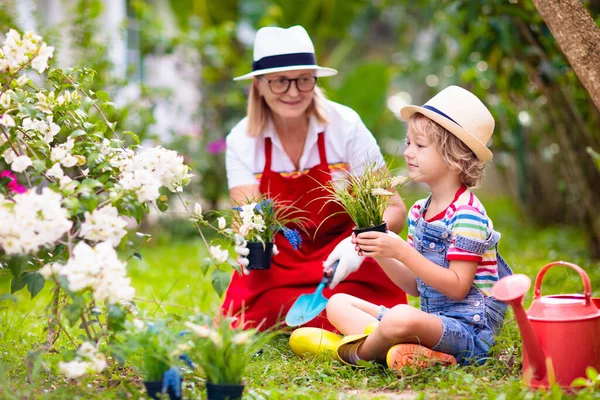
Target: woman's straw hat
[[462, 114], [279, 49]]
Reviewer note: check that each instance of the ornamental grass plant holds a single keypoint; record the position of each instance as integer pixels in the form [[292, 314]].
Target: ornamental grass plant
[[365, 197], [221, 352]]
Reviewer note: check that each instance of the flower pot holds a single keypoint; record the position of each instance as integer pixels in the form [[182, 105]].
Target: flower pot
[[377, 228], [260, 255], [154, 389], [224, 391]]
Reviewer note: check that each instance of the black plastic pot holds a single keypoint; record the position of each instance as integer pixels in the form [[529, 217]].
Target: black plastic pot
[[260, 255], [377, 228], [154, 389], [224, 391]]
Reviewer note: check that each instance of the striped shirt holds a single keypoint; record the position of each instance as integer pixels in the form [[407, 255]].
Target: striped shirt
[[466, 217]]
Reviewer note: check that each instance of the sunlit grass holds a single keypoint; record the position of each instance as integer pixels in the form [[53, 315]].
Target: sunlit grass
[[169, 278]]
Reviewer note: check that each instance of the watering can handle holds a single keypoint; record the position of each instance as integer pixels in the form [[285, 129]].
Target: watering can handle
[[584, 277]]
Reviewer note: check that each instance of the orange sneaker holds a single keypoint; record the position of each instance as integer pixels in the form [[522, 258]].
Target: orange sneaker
[[415, 355]]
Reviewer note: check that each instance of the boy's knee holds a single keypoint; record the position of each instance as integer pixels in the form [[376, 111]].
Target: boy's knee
[[337, 301]]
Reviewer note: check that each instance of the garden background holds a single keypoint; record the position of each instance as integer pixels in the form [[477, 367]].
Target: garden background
[[168, 65]]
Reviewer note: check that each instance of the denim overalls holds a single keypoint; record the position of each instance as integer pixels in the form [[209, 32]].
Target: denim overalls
[[469, 325]]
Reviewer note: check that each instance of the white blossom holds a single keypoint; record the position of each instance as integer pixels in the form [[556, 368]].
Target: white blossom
[[219, 255], [73, 369], [104, 225], [7, 120], [198, 210], [31, 221], [100, 269], [222, 223], [198, 330], [21, 163]]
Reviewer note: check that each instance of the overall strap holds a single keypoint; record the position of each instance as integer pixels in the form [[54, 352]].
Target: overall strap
[[322, 151], [268, 151]]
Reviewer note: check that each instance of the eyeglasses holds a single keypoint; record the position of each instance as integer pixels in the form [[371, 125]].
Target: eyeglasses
[[282, 85]]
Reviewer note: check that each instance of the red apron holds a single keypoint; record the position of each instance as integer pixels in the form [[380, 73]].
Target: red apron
[[268, 294]]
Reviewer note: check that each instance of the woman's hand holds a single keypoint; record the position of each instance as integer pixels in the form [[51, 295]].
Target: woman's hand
[[378, 244], [241, 248]]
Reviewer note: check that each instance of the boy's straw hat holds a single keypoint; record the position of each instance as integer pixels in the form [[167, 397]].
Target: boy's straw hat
[[462, 114], [279, 49]]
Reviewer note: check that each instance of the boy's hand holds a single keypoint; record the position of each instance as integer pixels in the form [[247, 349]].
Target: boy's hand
[[377, 244]]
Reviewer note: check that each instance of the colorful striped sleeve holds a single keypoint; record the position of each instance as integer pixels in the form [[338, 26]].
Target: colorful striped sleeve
[[413, 216], [467, 221]]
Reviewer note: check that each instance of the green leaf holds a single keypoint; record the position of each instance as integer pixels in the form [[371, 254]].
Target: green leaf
[[206, 263], [17, 265], [133, 136], [592, 373], [116, 318], [17, 284], [77, 132], [580, 382], [220, 281], [102, 95], [39, 165], [35, 283]]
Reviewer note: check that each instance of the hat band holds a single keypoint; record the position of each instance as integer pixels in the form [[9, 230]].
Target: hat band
[[435, 110], [284, 60]]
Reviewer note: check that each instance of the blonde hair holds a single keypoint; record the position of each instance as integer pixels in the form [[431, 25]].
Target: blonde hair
[[259, 111], [454, 152]]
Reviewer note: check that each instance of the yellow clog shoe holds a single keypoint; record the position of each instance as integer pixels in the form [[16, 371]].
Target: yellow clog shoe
[[313, 341], [345, 345]]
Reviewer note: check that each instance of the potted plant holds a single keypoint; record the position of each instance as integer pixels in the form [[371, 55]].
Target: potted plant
[[161, 346], [259, 220], [222, 353], [365, 197]]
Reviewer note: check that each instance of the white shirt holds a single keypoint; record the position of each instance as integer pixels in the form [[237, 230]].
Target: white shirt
[[349, 145]]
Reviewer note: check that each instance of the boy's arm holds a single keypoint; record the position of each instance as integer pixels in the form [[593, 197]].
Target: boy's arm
[[398, 273], [454, 282]]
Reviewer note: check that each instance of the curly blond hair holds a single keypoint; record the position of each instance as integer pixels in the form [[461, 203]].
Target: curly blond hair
[[454, 152]]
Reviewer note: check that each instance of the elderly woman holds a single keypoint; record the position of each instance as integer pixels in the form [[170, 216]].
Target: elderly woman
[[292, 142]]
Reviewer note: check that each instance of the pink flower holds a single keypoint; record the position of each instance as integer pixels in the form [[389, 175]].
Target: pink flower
[[13, 185], [216, 146]]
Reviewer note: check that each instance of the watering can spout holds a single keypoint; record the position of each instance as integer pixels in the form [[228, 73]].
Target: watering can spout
[[511, 290]]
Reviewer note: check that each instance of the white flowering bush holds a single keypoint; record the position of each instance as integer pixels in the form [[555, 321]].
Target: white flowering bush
[[70, 183]]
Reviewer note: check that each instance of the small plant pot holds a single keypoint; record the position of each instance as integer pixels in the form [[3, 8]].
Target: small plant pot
[[377, 228], [224, 391], [154, 389], [259, 257]]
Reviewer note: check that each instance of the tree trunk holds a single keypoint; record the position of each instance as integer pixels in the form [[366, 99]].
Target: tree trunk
[[578, 38]]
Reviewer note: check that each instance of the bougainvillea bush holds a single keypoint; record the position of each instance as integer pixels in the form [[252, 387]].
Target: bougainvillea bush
[[71, 183]]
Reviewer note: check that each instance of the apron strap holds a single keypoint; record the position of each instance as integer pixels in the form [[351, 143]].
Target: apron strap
[[268, 151], [322, 151]]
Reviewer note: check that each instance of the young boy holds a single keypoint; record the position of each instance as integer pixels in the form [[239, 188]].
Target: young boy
[[450, 257]]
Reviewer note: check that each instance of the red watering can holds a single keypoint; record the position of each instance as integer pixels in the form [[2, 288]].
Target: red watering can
[[561, 333]]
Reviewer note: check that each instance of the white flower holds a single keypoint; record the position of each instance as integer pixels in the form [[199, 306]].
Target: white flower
[[49, 270], [104, 225], [198, 210], [22, 80], [32, 221], [55, 172], [219, 255], [73, 369], [7, 120], [139, 325], [216, 338], [21, 163], [198, 330], [381, 192], [40, 62], [87, 350], [222, 223], [5, 99]]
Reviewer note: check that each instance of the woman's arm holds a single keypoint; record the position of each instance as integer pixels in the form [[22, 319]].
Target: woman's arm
[[240, 194]]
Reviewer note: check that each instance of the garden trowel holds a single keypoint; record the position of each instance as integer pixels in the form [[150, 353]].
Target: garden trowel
[[308, 306]]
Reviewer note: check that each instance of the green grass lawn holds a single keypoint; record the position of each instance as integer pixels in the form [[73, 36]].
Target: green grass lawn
[[169, 279]]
